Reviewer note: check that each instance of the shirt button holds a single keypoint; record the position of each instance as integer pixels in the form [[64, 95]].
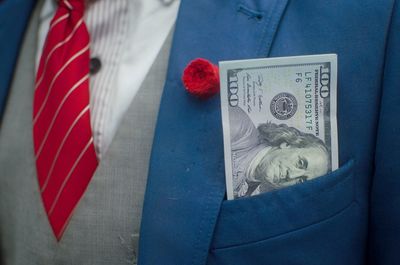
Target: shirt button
[[95, 65]]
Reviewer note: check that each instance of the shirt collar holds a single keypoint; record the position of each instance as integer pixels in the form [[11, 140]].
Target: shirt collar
[[51, 5]]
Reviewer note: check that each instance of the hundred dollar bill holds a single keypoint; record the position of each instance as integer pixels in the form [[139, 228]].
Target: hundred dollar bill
[[279, 121]]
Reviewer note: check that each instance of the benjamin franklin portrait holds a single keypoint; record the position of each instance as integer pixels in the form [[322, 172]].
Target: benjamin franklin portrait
[[272, 156]]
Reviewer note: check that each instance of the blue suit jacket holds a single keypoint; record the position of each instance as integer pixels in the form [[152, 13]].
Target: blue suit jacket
[[351, 216]]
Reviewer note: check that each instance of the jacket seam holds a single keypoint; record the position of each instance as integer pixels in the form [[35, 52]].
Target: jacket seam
[[384, 66]]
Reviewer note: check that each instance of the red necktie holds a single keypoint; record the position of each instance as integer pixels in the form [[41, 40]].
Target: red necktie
[[63, 140]]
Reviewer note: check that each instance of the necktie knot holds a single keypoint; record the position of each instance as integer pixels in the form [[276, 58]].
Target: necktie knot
[[73, 5]]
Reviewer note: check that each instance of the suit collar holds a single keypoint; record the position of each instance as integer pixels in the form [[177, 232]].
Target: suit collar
[[14, 15], [186, 183]]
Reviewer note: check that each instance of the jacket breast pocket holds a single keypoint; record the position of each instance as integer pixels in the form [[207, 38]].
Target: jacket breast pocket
[[251, 223]]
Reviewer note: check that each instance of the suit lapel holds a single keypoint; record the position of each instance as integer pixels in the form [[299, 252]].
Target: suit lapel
[[14, 15], [186, 183]]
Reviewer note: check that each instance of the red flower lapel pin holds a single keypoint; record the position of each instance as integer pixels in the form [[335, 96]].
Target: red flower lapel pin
[[201, 78]]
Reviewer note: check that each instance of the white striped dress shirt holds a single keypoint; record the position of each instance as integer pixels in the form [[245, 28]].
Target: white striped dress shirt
[[126, 36]]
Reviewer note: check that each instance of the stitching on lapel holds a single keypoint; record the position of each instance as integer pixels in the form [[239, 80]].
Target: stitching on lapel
[[274, 17]]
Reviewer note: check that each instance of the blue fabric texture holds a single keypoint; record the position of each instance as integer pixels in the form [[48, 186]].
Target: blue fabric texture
[[385, 199], [348, 217]]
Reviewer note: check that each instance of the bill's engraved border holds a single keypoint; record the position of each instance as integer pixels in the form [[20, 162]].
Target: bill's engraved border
[[224, 77]]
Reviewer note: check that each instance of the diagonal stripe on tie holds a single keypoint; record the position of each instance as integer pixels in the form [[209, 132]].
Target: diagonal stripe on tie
[[63, 140]]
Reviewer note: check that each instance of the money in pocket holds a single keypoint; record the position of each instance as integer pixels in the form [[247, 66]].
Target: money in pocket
[[279, 121]]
